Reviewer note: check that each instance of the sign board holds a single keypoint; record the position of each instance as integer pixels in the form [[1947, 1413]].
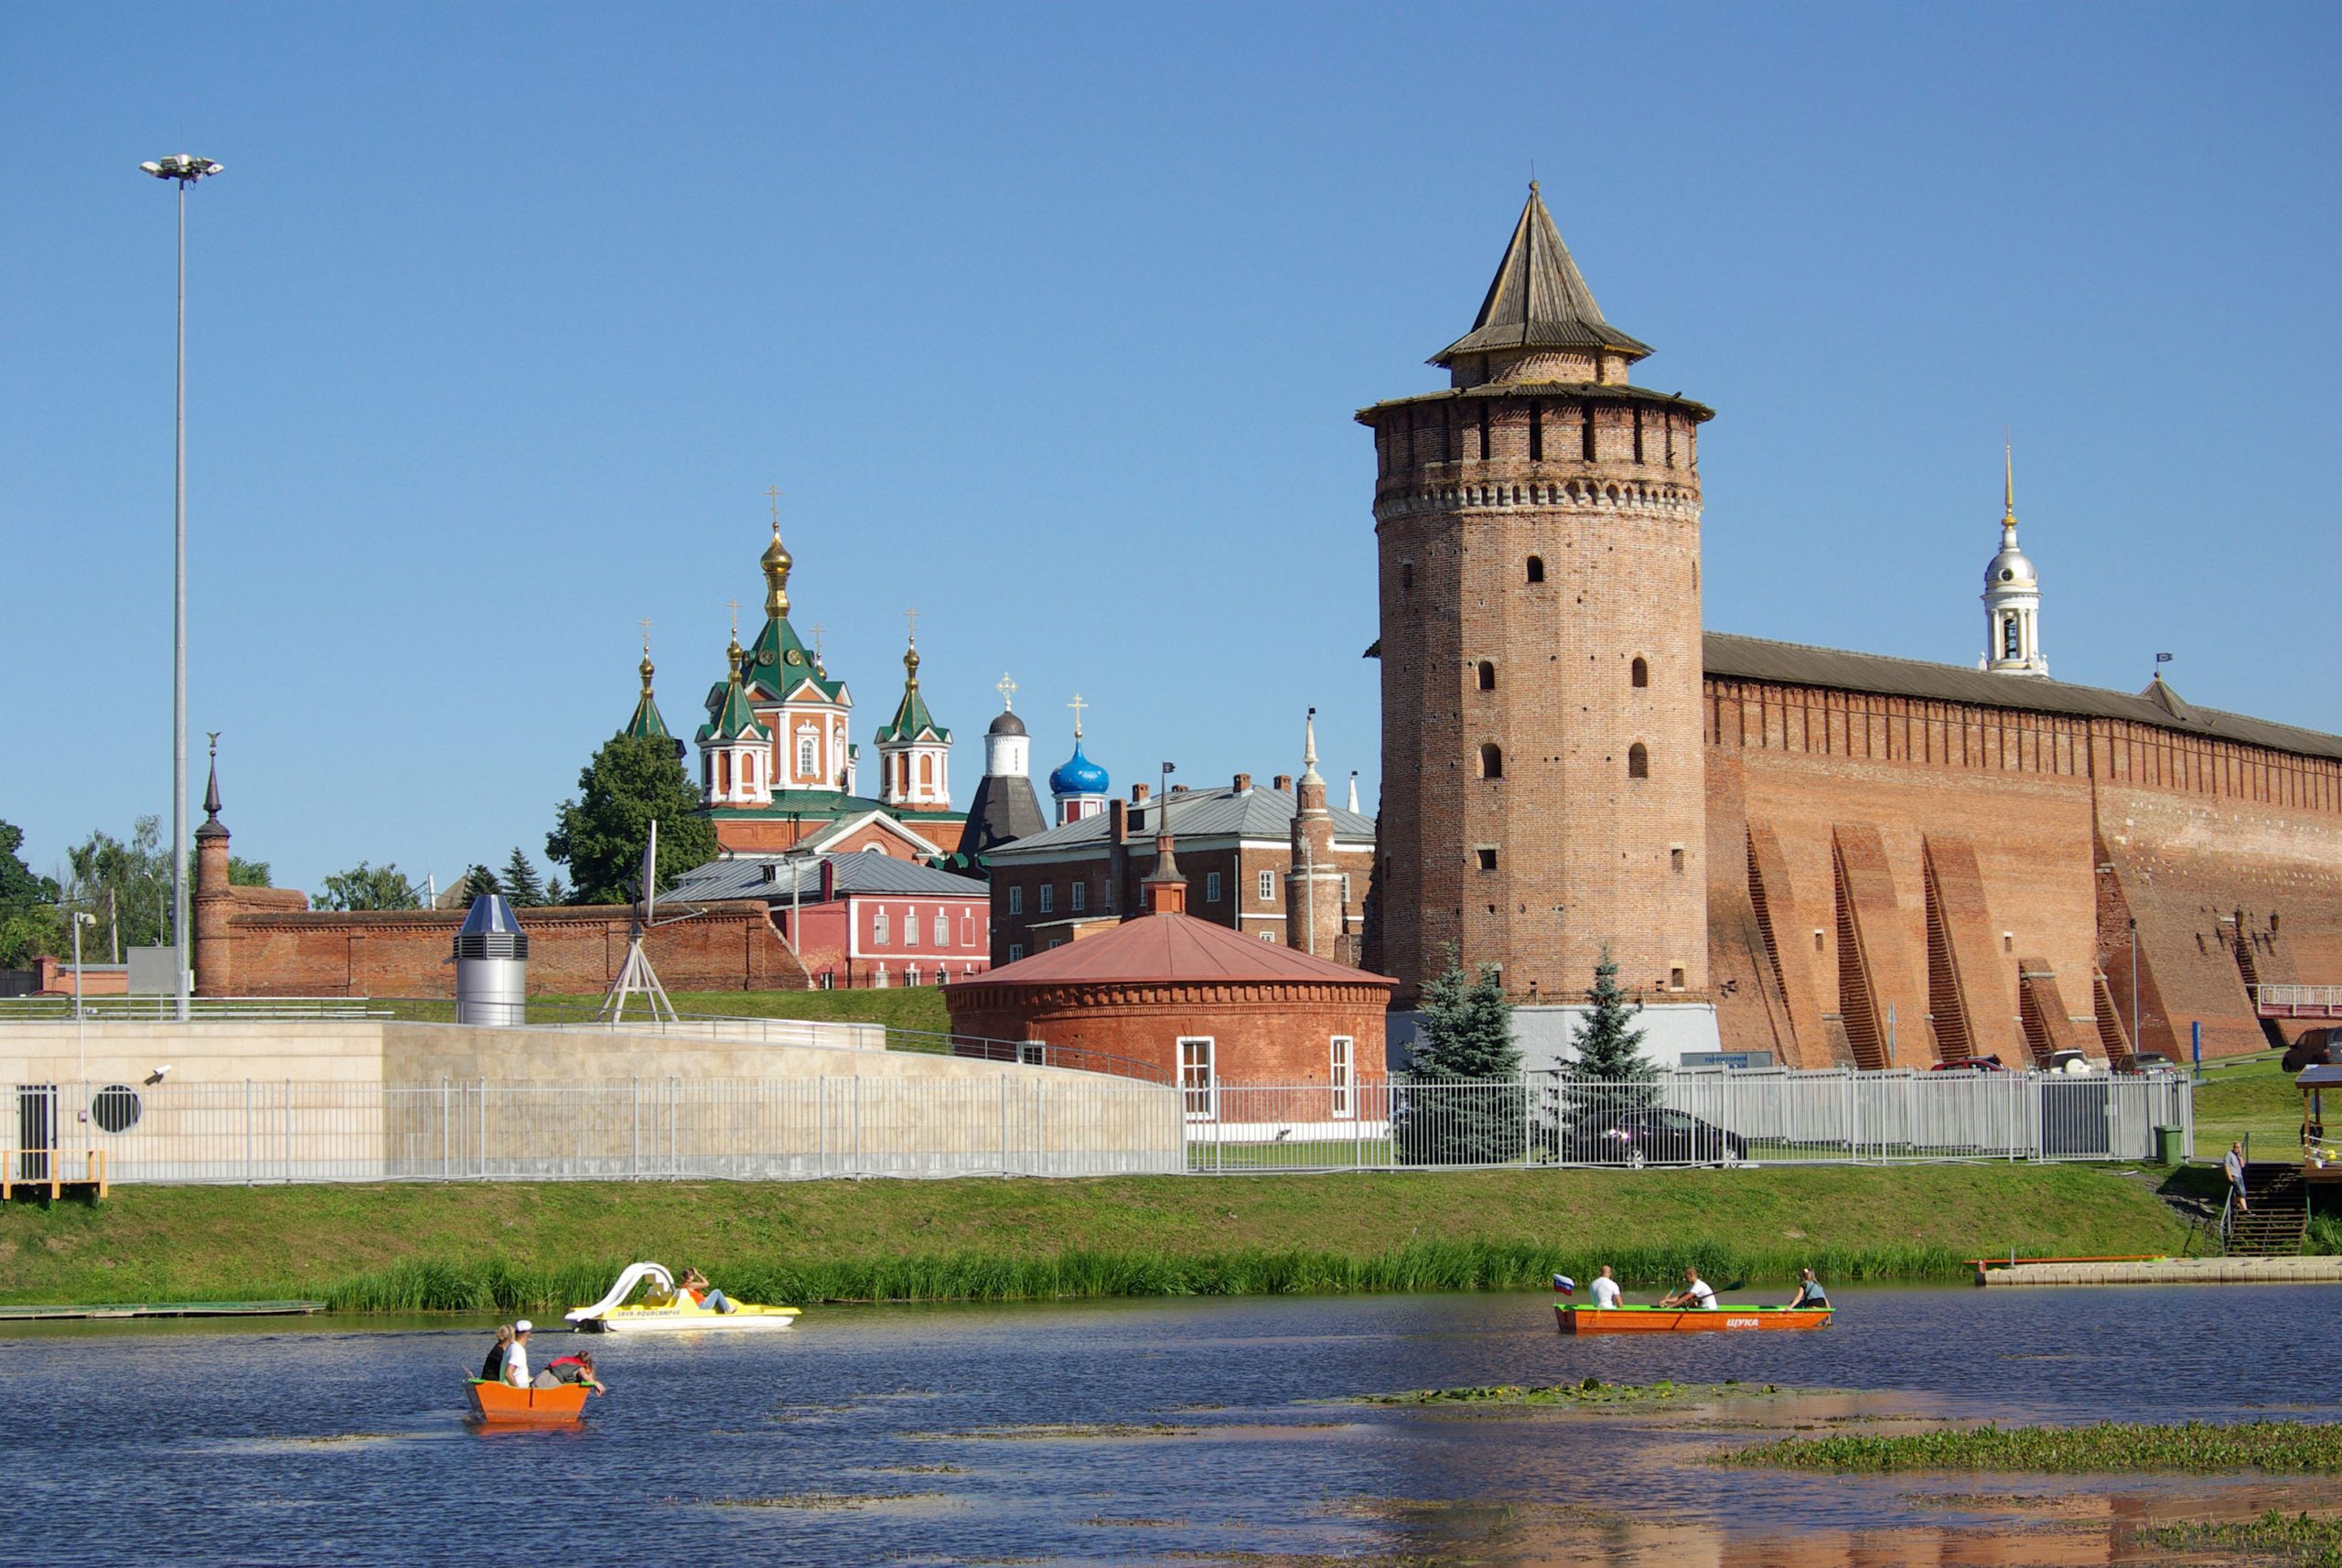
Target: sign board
[[1727, 1058]]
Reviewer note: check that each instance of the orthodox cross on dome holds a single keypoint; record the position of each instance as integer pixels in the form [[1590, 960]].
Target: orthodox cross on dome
[[645, 625], [1007, 690], [774, 493], [1077, 705], [735, 618], [910, 620], [818, 665]]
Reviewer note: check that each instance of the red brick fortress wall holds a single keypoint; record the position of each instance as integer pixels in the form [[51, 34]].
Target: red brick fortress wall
[[730, 946]]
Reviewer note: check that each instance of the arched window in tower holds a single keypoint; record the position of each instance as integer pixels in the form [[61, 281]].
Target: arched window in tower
[[1484, 430], [1406, 576], [1585, 432], [1639, 673], [926, 768], [806, 765], [1637, 761], [2009, 638], [1487, 676], [1536, 568], [1491, 761]]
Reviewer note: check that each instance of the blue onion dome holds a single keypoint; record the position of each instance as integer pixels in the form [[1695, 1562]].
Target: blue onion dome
[[1078, 776]]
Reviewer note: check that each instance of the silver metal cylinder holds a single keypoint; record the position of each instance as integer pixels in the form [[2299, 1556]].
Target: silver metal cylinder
[[491, 965]]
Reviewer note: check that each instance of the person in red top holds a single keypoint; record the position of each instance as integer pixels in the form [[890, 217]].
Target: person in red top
[[695, 1287], [577, 1368]]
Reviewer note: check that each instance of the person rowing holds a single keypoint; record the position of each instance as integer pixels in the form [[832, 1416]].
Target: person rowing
[[1696, 1292]]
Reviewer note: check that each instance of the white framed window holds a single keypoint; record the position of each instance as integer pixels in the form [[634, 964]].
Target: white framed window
[[1015, 900], [1268, 887], [808, 763], [880, 931], [1339, 1076], [967, 929], [1049, 896], [828, 979], [1016, 951], [1267, 935], [1079, 899], [1199, 1089], [910, 975], [942, 928], [1346, 889], [1212, 887]]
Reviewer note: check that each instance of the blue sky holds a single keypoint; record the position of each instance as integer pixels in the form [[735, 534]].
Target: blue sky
[[1051, 322]]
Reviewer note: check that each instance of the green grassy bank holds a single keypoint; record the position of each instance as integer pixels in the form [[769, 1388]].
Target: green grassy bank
[[536, 1247], [2250, 1098]]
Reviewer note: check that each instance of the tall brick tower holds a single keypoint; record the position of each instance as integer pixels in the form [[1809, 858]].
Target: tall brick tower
[[1543, 783]]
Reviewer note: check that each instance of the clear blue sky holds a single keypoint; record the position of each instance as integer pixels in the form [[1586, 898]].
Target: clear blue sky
[[1051, 322]]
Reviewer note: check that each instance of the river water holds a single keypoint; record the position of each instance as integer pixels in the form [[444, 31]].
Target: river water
[[1125, 1432]]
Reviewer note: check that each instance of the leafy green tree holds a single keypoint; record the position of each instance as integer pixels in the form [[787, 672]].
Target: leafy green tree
[[599, 836], [478, 882], [521, 883], [28, 923], [1463, 1103], [127, 886], [243, 873], [365, 886]]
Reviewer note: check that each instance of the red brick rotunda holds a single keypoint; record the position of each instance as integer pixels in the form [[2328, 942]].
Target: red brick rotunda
[[1170, 997]]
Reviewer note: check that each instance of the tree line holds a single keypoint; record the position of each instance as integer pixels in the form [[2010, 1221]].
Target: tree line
[[597, 838]]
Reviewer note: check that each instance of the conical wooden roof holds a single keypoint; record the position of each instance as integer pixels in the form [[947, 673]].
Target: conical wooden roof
[[1539, 299]]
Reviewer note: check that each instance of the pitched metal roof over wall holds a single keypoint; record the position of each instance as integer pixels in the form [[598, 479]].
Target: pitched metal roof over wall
[[1731, 658], [1260, 812], [855, 872], [1169, 949]]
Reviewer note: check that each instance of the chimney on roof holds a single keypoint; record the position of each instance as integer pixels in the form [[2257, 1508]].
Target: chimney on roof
[[1165, 889], [1117, 822], [828, 879], [1138, 794], [1244, 782], [1285, 783], [1178, 789]]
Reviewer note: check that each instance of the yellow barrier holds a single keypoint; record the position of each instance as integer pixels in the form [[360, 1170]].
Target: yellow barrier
[[55, 1184]]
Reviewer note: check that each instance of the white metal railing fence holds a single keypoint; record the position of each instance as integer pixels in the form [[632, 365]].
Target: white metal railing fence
[[2318, 998], [873, 1126]]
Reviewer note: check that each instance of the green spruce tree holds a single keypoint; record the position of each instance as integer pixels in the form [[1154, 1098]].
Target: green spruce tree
[[521, 883], [1609, 1047], [632, 781], [1462, 1100], [478, 882]]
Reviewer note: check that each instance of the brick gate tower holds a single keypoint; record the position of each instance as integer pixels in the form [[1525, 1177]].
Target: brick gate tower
[[1544, 785]]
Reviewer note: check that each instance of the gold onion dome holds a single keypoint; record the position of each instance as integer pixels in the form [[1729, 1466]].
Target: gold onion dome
[[910, 664], [777, 561], [647, 668]]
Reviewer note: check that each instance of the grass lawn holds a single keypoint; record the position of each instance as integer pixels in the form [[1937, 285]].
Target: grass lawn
[[2250, 1096], [534, 1244]]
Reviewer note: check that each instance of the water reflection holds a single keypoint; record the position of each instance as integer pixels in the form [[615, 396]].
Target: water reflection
[[1124, 1431]]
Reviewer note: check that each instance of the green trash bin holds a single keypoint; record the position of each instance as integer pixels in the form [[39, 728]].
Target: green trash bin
[[2167, 1149]]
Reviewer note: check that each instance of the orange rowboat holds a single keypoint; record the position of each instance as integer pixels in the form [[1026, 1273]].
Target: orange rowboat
[[502, 1404], [1683, 1320]]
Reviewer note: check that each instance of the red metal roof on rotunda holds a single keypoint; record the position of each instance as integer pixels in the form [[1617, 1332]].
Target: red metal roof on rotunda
[[1157, 948]]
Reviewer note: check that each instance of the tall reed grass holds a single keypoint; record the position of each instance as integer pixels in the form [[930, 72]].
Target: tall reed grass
[[446, 1285]]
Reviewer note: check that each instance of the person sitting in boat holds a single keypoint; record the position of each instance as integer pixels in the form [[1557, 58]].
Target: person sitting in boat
[[693, 1287], [492, 1369], [1696, 1292], [577, 1368], [1809, 1292], [1606, 1289], [516, 1356]]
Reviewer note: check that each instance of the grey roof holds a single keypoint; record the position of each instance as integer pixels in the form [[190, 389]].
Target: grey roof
[[1004, 810], [1538, 298], [490, 913], [801, 876], [1732, 658], [1256, 813]]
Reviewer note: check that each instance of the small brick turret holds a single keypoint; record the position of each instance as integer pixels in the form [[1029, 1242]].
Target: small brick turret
[[1313, 884], [214, 903]]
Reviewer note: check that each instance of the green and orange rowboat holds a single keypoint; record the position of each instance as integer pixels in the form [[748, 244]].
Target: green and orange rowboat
[[1574, 1319]]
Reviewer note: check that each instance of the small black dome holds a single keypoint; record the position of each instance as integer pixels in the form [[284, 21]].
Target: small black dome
[[1007, 724]]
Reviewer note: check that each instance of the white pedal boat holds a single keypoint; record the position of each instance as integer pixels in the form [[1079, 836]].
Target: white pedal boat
[[665, 1310]]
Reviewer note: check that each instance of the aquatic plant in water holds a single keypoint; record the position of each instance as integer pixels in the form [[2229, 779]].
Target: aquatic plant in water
[[2273, 1447]]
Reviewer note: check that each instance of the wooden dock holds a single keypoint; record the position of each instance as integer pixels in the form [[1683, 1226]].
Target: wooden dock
[[161, 1310], [2162, 1272]]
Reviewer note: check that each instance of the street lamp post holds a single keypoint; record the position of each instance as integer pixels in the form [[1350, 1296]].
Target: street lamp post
[[186, 169], [81, 1029]]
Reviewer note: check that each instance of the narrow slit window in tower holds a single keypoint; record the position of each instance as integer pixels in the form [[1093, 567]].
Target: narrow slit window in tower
[[1536, 432], [1406, 576], [1585, 431], [1536, 568], [1639, 436], [1491, 761], [1484, 430], [1637, 761], [1487, 676], [1639, 673]]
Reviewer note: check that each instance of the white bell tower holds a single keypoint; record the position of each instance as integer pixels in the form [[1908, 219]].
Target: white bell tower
[[2012, 597]]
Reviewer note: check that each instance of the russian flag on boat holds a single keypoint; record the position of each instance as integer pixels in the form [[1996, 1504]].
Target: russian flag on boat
[[1565, 1284]]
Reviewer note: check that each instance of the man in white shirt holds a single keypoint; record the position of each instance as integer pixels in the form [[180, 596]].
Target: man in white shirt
[[1606, 1289], [516, 1360], [1695, 1293]]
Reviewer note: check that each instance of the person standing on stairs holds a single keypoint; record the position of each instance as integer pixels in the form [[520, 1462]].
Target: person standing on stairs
[[2234, 1166]]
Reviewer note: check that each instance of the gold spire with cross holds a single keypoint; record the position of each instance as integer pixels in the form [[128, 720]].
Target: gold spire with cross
[[1077, 705], [735, 638], [2008, 482], [911, 649], [646, 666], [777, 561], [1007, 690], [820, 668]]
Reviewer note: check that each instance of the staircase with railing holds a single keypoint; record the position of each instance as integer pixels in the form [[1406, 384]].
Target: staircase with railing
[[2276, 1215]]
